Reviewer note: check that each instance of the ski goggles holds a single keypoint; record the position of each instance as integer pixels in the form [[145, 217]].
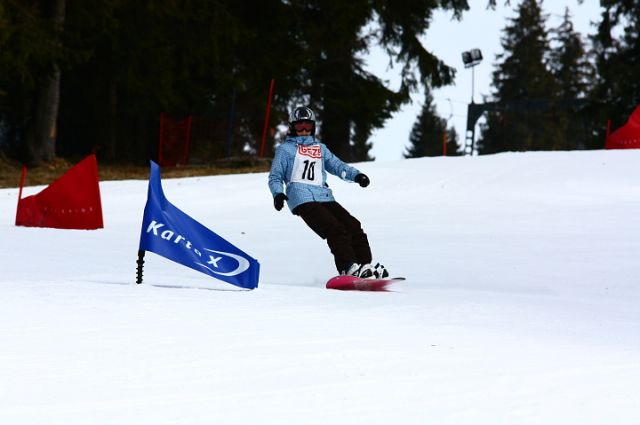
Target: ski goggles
[[303, 126]]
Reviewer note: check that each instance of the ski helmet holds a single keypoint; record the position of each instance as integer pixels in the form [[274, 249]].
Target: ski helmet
[[301, 113]]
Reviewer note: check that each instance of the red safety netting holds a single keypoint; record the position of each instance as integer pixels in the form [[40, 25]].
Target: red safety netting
[[175, 136]]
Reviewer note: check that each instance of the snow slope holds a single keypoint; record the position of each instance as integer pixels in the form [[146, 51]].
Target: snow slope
[[521, 304]]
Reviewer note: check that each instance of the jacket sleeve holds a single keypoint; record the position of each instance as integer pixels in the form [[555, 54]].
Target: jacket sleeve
[[337, 167], [277, 176]]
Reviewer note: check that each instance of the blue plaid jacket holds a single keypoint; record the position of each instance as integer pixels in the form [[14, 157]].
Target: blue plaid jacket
[[299, 192]]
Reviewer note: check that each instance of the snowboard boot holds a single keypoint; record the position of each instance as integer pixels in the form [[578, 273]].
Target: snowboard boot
[[352, 270], [367, 271], [380, 271]]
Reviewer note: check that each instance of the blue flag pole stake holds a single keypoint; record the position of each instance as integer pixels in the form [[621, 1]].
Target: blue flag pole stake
[[140, 263]]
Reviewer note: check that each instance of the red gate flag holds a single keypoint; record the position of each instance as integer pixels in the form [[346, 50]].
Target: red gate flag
[[627, 136], [71, 202]]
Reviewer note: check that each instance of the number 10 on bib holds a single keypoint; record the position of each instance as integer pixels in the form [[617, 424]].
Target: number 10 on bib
[[307, 165]]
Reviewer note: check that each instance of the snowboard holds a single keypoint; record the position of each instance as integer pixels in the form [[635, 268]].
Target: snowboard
[[354, 283]]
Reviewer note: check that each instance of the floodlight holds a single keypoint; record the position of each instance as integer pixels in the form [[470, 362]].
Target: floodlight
[[471, 58]]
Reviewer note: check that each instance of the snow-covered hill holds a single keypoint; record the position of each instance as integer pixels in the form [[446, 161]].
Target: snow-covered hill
[[521, 304]]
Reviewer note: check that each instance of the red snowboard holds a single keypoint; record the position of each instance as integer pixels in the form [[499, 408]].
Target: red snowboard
[[353, 283]]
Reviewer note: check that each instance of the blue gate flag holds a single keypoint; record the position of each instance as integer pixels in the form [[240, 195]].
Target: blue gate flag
[[171, 233]]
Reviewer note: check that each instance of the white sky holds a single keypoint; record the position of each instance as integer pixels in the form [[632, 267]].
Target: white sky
[[480, 28]]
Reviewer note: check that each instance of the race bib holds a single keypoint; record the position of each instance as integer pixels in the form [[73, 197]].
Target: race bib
[[307, 166]]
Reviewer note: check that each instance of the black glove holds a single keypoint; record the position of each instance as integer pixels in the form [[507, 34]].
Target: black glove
[[278, 201], [362, 180]]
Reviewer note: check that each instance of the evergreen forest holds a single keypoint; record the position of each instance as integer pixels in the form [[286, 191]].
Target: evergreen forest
[[80, 77]]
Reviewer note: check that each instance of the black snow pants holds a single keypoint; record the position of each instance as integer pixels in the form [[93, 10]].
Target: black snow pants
[[343, 232]]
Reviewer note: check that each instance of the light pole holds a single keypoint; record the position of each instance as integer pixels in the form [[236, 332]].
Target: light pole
[[470, 59]]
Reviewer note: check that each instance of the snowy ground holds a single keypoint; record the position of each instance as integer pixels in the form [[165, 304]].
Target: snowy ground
[[522, 304]]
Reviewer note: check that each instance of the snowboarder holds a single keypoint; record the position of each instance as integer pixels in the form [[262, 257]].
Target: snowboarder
[[301, 164]]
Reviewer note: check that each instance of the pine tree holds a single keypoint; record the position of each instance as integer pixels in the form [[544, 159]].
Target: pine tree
[[428, 133], [31, 51], [569, 63], [41, 135], [523, 85], [573, 73], [351, 101], [616, 92]]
